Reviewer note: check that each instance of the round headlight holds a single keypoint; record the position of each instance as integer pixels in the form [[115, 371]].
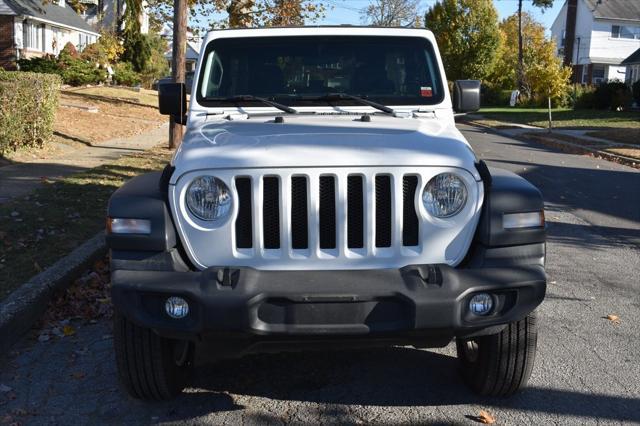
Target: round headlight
[[444, 195], [208, 198]]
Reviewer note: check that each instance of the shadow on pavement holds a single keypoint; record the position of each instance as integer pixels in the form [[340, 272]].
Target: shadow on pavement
[[395, 377]]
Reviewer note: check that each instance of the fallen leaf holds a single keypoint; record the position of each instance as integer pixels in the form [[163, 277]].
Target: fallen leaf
[[4, 388], [486, 418], [78, 375], [613, 318], [67, 330]]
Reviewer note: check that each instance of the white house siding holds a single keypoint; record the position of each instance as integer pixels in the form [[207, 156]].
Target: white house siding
[[46, 34]]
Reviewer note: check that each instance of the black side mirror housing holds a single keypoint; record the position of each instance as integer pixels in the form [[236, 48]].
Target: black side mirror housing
[[172, 100], [466, 96]]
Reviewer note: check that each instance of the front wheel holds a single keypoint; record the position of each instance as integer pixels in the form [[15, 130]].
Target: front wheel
[[149, 366], [499, 364]]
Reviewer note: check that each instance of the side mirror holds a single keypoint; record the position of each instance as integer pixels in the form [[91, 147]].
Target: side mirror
[[466, 95], [172, 100]]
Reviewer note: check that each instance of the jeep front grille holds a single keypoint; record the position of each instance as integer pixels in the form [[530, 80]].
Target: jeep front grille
[[316, 215]]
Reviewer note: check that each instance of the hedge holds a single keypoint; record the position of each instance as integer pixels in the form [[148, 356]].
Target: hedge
[[28, 103]]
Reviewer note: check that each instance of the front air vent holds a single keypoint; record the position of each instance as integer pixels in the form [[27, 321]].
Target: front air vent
[[410, 223], [355, 212], [327, 212], [383, 211], [299, 215], [271, 212], [244, 226]]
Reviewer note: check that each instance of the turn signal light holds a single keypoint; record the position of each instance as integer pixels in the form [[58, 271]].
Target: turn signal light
[[523, 220], [128, 226]]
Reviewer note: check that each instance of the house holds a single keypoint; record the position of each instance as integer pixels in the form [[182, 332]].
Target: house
[[595, 36], [194, 43], [632, 63], [29, 28], [106, 14]]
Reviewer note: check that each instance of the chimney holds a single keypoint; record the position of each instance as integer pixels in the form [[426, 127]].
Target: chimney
[[570, 31]]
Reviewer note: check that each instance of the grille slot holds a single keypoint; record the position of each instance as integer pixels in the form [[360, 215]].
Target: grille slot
[[355, 212], [410, 223], [271, 212], [299, 215], [244, 226], [383, 211], [327, 212]]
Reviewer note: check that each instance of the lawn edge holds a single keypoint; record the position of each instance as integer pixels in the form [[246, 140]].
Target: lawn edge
[[26, 304], [562, 145]]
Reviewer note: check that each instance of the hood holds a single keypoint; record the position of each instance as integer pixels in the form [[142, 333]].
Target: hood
[[322, 141]]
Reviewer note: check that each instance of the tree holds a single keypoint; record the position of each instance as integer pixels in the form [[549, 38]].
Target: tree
[[467, 34], [543, 4], [203, 14], [542, 74], [391, 13]]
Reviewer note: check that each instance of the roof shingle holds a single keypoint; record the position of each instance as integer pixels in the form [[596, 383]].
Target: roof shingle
[[50, 12], [628, 10]]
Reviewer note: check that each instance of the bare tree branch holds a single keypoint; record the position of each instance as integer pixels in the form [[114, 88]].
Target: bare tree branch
[[392, 13]]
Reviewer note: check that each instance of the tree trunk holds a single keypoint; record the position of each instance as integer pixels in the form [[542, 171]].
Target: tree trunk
[[179, 61], [520, 56]]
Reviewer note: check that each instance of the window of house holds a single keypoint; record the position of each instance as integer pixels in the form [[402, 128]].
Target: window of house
[[626, 32], [564, 35], [597, 73], [56, 40], [33, 36]]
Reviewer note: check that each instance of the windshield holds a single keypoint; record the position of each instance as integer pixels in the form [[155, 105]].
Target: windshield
[[301, 71]]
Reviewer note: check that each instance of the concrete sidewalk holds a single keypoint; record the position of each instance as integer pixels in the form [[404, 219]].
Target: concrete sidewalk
[[20, 179]]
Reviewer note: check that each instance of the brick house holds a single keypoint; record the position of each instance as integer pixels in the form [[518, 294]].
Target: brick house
[[29, 28]]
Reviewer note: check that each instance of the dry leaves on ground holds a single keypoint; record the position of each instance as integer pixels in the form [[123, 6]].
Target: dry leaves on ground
[[483, 417], [613, 318]]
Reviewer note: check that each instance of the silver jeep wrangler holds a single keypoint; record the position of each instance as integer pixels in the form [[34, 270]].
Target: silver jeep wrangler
[[323, 197]]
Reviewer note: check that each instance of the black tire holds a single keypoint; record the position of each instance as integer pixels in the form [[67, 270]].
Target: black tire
[[499, 364], [150, 367]]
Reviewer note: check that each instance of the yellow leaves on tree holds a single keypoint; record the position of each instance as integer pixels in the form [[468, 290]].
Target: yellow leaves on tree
[[544, 74]]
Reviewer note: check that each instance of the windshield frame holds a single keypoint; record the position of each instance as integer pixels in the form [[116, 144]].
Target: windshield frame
[[308, 101]]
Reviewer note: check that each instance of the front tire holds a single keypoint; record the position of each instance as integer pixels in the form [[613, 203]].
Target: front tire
[[499, 364], [150, 367]]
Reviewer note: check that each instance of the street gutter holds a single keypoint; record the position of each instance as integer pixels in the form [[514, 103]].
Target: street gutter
[[26, 304]]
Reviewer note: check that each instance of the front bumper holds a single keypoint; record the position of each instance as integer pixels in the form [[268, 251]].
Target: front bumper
[[416, 300]]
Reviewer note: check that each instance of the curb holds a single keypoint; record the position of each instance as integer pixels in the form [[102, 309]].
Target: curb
[[560, 144], [22, 308]]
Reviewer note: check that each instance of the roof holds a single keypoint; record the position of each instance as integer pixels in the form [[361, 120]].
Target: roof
[[634, 58], [626, 10], [191, 54], [50, 12]]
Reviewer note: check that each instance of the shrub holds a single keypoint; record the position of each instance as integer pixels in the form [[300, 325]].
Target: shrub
[[614, 95], [106, 50], [28, 103], [584, 97], [494, 96], [636, 91], [156, 65], [125, 75], [47, 64], [78, 73]]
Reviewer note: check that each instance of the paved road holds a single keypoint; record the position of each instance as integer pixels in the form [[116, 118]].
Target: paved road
[[587, 370]]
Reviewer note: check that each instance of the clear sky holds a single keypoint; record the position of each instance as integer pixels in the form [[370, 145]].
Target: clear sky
[[348, 11]]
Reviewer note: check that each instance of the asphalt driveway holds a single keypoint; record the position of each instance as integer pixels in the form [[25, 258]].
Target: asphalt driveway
[[587, 370]]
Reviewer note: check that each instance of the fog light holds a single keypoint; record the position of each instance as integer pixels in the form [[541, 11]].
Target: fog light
[[176, 307], [481, 304]]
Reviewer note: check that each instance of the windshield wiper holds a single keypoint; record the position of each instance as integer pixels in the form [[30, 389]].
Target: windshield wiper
[[240, 98], [363, 101]]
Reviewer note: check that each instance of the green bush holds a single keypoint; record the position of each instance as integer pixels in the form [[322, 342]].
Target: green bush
[[125, 75], [494, 96], [77, 72], [47, 64], [28, 103], [584, 97], [614, 95], [635, 89]]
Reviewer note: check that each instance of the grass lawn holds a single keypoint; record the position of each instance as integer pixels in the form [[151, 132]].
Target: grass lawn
[[144, 96], [565, 118], [39, 229], [629, 136]]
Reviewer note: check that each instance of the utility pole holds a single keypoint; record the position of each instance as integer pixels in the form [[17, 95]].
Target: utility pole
[[178, 64]]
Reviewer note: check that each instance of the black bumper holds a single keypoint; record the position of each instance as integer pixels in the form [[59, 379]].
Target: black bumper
[[414, 300]]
